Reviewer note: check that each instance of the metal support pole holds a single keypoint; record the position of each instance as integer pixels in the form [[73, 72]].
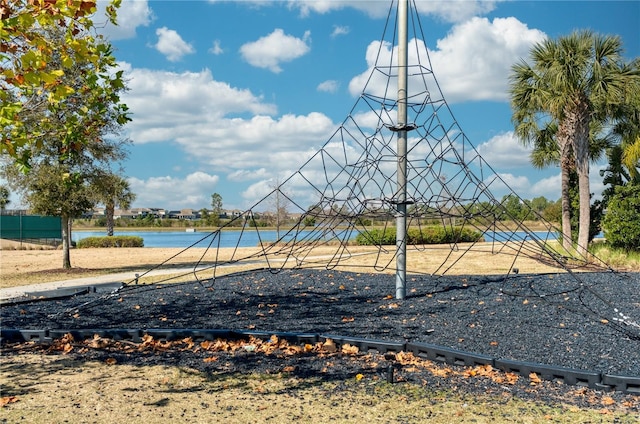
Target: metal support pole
[[401, 217]]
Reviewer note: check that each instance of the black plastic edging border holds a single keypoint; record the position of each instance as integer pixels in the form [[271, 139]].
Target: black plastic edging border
[[591, 379]]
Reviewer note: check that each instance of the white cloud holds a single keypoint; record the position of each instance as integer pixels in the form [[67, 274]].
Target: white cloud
[[130, 15], [248, 175], [216, 48], [472, 62], [251, 143], [271, 50], [193, 191], [219, 126], [172, 45], [329, 86], [257, 191], [167, 105], [520, 184], [456, 10], [449, 11], [505, 151], [339, 30], [548, 187]]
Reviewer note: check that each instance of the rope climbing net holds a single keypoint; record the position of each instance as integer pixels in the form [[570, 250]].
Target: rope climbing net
[[450, 191]]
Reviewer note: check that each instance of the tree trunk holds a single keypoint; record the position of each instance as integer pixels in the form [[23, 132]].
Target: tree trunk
[[109, 211], [566, 163], [565, 170], [66, 241], [581, 151]]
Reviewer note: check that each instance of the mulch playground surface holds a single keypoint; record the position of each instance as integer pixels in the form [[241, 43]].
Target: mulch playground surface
[[550, 319]]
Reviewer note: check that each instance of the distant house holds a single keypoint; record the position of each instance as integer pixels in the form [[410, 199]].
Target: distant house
[[184, 214], [123, 213], [159, 212], [95, 213], [235, 213]]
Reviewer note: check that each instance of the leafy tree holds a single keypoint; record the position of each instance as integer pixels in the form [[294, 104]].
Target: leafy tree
[[216, 207], [514, 208], [74, 141], [205, 216], [34, 67], [112, 191], [615, 174], [621, 223], [624, 155], [4, 197], [573, 81], [539, 204], [626, 129], [553, 211]]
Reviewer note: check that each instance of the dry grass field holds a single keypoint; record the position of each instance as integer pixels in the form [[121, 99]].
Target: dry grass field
[[31, 264]]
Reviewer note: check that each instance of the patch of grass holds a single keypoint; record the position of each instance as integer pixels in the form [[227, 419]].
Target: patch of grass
[[45, 388], [617, 258]]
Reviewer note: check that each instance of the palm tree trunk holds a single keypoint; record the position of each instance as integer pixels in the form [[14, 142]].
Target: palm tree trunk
[[109, 212], [581, 150], [565, 170], [66, 241], [566, 164]]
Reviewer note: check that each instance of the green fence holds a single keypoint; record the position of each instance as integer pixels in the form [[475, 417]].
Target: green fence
[[30, 227]]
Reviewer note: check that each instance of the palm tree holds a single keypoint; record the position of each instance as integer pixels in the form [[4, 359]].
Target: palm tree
[[573, 81], [627, 130], [112, 190]]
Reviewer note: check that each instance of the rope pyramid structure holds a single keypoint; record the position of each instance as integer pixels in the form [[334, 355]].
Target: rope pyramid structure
[[347, 190]]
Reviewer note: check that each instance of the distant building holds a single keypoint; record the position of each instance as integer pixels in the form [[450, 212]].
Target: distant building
[[161, 213]]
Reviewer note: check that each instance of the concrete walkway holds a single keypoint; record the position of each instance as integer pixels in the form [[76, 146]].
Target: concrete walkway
[[34, 291], [95, 283]]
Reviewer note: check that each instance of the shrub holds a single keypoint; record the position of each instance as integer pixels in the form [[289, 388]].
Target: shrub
[[376, 236], [621, 223], [111, 241], [425, 235]]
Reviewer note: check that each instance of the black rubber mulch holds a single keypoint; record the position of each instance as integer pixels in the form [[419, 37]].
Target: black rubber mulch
[[549, 319]]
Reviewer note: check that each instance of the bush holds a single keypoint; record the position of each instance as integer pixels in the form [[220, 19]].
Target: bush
[[621, 223], [376, 236], [111, 241], [425, 235]]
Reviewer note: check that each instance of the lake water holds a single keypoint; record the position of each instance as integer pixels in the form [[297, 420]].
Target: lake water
[[247, 238]]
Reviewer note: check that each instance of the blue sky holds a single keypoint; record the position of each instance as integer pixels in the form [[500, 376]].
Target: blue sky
[[218, 89]]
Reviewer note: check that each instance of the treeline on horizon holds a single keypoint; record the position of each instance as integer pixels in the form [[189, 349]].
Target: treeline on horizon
[[511, 208]]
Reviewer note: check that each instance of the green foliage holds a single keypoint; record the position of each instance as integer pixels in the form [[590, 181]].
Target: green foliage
[[112, 190], [376, 237], [621, 223], [515, 209], [34, 68], [565, 98], [4, 197], [53, 190], [424, 235], [553, 212], [110, 241], [364, 222], [216, 208]]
